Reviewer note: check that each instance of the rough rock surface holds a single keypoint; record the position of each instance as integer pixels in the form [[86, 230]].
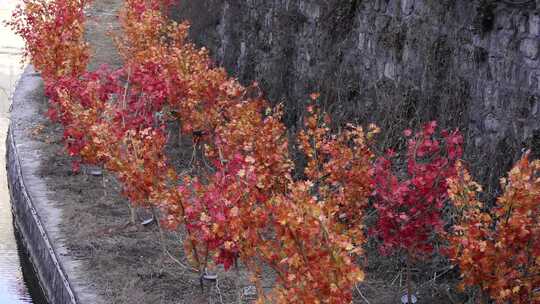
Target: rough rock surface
[[472, 64]]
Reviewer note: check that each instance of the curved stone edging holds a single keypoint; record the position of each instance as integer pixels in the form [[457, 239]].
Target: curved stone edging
[[27, 217], [51, 274]]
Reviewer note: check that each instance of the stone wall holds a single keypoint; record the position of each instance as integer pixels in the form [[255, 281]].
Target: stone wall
[[472, 64]]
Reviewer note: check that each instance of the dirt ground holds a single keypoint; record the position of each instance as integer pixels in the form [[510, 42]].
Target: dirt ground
[[125, 262]]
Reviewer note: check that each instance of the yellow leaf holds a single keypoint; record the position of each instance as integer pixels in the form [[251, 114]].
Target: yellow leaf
[[234, 211], [360, 276]]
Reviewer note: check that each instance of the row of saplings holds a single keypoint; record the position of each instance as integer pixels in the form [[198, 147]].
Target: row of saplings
[[243, 202]]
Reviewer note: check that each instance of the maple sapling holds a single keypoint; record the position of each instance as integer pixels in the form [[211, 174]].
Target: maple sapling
[[409, 200], [498, 249]]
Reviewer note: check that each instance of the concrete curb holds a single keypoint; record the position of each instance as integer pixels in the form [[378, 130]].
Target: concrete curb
[[27, 216]]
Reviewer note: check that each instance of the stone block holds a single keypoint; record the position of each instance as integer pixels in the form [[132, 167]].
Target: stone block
[[380, 6], [529, 48], [522, 22], [491, 123], [390, 70], [534, 25], [361, 40], [407, 7]]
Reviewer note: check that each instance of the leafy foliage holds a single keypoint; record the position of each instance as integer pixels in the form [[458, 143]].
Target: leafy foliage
[[54, 35], [245, 205], [409, 208], [499, 249]]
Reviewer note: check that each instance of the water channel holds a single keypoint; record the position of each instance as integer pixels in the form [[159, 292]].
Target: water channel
[[17, 281]]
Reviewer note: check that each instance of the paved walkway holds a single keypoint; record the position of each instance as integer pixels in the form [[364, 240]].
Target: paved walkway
[[12, 286]]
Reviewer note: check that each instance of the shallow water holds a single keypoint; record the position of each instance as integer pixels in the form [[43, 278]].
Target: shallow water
[[17, 282]]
